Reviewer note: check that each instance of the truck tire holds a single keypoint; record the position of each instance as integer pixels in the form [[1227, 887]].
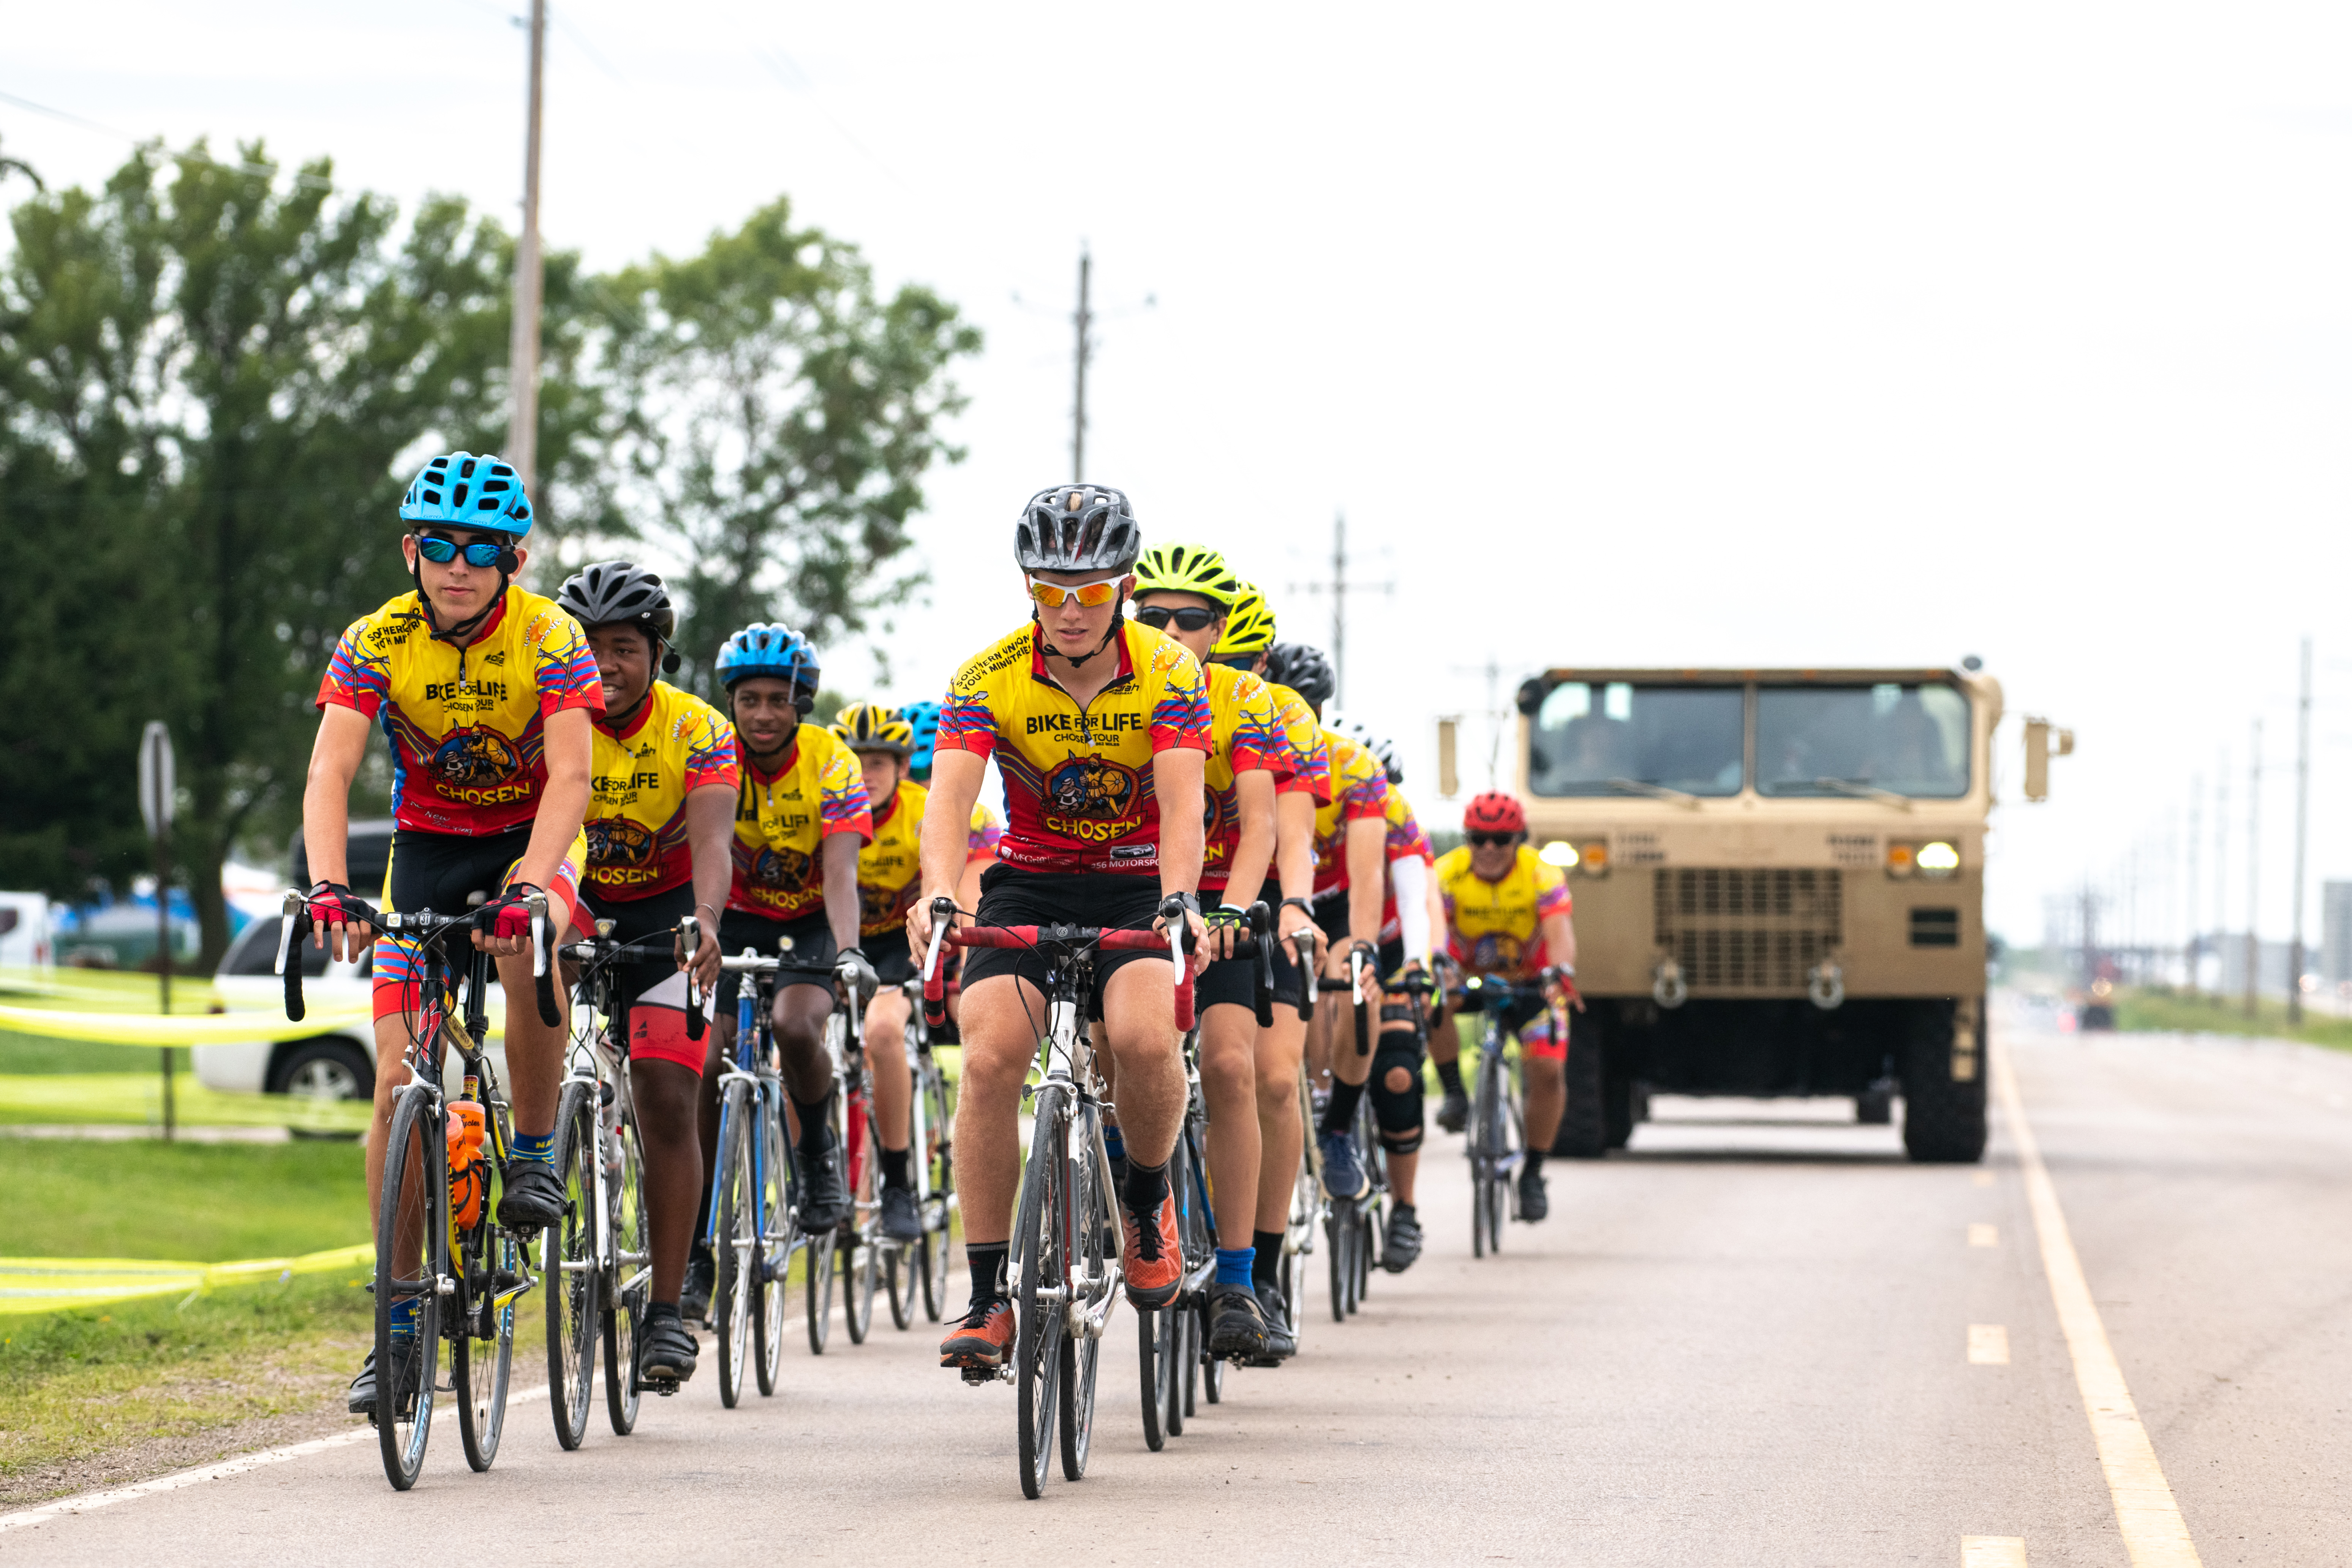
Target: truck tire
[[1617, 1105], [1584, 1125], [1943, 1117]]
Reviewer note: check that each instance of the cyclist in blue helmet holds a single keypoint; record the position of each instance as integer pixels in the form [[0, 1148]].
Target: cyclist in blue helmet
[[923, 718], [801, 817]]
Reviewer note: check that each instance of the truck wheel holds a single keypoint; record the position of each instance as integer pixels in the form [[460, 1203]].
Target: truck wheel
[[1617, 1105], [1875, 1106], [1943, 1115], [1584, 1125], [325, 1068]]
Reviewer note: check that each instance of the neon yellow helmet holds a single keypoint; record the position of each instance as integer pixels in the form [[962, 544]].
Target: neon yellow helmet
[[1249, 624], [1187, 569], [870, 727]]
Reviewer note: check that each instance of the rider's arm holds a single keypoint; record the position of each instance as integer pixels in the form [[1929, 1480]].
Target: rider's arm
[[841, 904], [711, 836], [1294, 856], [335, 758], [571, 749], [1560, 939], [1176, 778], [1367, 851], [956, 776], [1412, 874], [1254, 850]]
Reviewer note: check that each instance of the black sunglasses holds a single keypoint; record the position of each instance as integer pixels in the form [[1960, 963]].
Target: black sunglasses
[[1490, 840], [1192, 620]]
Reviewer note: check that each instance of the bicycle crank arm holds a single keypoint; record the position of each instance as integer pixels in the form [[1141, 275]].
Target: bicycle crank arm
[[1090, 1321]]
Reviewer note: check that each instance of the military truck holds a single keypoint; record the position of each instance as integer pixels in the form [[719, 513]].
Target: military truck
[[1779, 886]]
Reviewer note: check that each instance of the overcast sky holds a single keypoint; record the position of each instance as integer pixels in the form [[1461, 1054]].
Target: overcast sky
[[1800, 334]]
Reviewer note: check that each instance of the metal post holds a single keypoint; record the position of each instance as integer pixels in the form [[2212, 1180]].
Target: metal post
[[2196, 804], [1339, 611], [2302, 832], [2253, 869], [156, 792], [1085, 321], [163, 952], [2221, 864], [522, 415]]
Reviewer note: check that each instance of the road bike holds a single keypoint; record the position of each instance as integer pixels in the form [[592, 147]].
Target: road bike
[[471, 1268], [1355, 1225], [1497, 1127], [859, 1245], [598, 1260], [755, 1227], [930, 1145], [1065, 1249]]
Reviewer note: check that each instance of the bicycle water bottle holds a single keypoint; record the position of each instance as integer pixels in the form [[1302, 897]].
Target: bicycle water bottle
[[469, 1168]]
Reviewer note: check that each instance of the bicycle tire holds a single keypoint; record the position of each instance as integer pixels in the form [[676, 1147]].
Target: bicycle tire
[[821, 1254], [860, 1246], [1041, 1224], [734, 1292], [938, 1168], [624, 1303], [403, 1443], [481, 1389], [1189, 1328], [778, 1236], [1150, 1327], [570, 1268], [1097, 1221], [1336, 1228]]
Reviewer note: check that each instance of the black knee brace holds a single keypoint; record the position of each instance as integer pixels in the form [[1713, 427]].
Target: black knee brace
[[1397, 1111]]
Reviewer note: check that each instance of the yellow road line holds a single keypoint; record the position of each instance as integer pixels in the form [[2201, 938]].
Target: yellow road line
[[2147, 1516], [1981, 1235], [1988, 1344], [1992, 1552]]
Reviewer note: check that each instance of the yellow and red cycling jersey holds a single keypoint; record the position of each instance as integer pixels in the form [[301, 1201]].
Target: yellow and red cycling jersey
[[1359, 789], [1078, 782], [1247, 736], [782, 822], [675, 744], [1310, 762], [890, 867], [467, 725], [1496, 927]]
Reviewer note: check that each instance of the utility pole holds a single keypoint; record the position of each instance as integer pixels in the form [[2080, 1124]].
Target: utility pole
[[2196, 803], [2302, 832], [2221, 864], [2253, 869], [1086, 324], [522, 415], [1338, 587]]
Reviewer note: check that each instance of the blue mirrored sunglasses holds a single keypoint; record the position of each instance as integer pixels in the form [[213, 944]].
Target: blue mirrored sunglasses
[[441, 552]]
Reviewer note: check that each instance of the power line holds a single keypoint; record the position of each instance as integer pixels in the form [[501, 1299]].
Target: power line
[[271, 169]]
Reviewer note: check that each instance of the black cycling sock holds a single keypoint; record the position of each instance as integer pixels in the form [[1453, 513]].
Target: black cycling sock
[[1531, 1162], [1146, 1188], [1339, 1116], [1400, 1211], [1449, 1075], [814, 1122], [1265, 1268], [990, 1263], [895, 1171], [656, 1311]]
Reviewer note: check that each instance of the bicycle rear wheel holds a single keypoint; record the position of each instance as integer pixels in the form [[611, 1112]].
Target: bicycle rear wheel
[[776, 1240], [572, 1270], [1041, 1225], [416, 1157], [1213, 1371], [1151, 1330], [632, 1261], [1339, 1229], [481, 1358], [737, 1287]]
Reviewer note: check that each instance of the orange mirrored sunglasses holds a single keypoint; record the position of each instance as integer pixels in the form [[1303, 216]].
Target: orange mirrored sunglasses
[[1093, 596]]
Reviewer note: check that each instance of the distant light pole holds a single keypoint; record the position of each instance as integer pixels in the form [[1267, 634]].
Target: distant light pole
[[2302, 835], [522, 409], [156, 789]]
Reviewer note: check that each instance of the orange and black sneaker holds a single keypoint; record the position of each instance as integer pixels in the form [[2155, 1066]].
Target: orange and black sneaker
[[983, 1338], [1153, 1260]]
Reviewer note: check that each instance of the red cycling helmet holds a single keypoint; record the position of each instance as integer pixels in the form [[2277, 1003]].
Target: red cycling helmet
[[1494, 811]]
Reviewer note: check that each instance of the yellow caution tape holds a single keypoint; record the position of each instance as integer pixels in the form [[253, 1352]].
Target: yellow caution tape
[[54, 1284], [186, 1029]]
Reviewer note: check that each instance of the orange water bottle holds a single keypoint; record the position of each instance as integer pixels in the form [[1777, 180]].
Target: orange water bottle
[[469, 1168]]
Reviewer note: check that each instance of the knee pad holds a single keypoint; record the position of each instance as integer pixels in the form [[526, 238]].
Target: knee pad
[[1397, 1111]]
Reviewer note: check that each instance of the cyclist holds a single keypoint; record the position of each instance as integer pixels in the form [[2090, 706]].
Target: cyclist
[[889, 871], [1100, 728], [801, 817], [486, 695], [1189, 592], [660, 837], [1508, 914], [1248, 633]]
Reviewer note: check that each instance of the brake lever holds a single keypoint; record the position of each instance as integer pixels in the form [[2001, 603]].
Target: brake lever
[[689, 939]]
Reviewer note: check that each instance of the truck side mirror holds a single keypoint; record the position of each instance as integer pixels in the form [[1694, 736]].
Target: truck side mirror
[[2038, 752], [1449, 778]]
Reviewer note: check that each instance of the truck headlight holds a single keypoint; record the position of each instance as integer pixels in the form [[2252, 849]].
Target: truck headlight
[[1938, 861], [1560, 852]]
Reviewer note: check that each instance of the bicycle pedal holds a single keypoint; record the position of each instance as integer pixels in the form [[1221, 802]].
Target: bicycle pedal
[[975, 1376], [665, 1386]]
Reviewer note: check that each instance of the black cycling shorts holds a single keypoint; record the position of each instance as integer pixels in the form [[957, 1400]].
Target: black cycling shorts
[[808, 961], [1012, 897], [1233, 980], [893, 965], [634, 919]]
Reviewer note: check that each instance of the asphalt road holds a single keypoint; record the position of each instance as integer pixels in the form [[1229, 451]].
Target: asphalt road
[[1746, 1340]]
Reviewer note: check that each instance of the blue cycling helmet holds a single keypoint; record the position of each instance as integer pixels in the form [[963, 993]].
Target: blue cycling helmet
[[459, 490], [924, 718], [769, 648]]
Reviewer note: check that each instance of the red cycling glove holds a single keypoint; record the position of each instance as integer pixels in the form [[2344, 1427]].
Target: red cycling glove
[[514, 919], [331, 904]]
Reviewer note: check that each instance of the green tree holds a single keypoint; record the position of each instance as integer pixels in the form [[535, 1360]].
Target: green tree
[[774, 419]]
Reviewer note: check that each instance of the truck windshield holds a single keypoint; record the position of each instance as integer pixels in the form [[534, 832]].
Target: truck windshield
[[1891, 738], [1622, 739]]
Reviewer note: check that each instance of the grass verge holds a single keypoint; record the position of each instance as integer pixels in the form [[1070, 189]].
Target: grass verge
[[2156, 1009], [137, 1099]]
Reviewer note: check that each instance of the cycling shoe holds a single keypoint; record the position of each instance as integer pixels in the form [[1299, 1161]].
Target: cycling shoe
[[1404, 1241], [982, 1338], [666, 1352], [1237, 1323], [701, 1279], [1534, 1202], [900, 1219], [363, 1398], [1453, 1112], [1281, 1344], [534, 1197], [1343, 1169], [824, 1202]]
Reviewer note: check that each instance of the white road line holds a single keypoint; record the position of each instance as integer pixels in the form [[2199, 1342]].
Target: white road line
[[2147, 1516], [1992, 1552], [85, 1501], [1981, 1235], [1988, 1344]]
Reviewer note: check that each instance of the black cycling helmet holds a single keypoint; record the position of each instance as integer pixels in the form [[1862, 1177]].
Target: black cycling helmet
[[1078, 528], [1303, 670], [614, 592]]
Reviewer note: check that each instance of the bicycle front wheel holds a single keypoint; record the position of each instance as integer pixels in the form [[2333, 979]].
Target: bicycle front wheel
[[1150, 1331], [732, 1301], [860, 1243], [573, 1270], [776, 1234], [935, 1155], [631, 1288], [481, 1359], [1082, 1354], [1041, 1229], [416, 1163]]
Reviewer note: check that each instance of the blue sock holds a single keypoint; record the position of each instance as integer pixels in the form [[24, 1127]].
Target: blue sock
[[1234, 1265], [403, 1319], [1115, 1145], [539, 1146]]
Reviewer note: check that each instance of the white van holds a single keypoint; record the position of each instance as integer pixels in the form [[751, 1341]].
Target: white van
[[24, 938]]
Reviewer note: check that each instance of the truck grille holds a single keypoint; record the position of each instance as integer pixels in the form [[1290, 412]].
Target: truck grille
[[1748, 931]]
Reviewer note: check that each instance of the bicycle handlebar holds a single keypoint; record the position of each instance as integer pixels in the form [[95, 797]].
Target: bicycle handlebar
[[1104, 939], [425, 925]]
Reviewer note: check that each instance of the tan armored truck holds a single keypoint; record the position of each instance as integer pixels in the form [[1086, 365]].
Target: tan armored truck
[[1779, 886]]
